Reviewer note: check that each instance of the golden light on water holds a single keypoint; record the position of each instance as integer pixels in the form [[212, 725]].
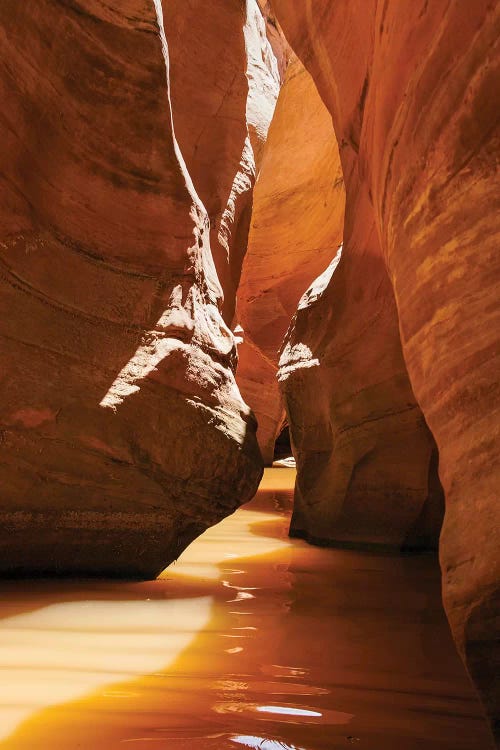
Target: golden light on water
[[64, 651], [251, 640]]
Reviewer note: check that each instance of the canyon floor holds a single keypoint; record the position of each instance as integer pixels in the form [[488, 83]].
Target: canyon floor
[[251, 640]]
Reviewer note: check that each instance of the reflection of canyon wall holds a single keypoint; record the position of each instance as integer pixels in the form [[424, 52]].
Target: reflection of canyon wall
[[123, 433], [412, 88], [296, 227]]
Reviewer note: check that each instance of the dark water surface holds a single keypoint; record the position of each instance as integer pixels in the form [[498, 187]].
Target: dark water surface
[[251, 640]]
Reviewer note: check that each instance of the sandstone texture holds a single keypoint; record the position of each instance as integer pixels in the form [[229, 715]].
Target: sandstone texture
[[367, 474], [280, 46], [123, 434], [297, 224], [223, 98], [412, 89]]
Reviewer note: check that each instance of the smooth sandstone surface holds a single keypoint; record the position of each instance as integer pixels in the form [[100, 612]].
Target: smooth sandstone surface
[[125, 216], [123, 434], [225, 82], [412, 88], [363, 449], [297, 223], [367, 470], [274, 33]]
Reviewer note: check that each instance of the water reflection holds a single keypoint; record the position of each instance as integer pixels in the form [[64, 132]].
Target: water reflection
[[260, 743], [250, 638], [290, 710]]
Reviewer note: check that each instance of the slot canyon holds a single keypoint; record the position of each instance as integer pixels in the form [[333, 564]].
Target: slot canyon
[[249, 336]]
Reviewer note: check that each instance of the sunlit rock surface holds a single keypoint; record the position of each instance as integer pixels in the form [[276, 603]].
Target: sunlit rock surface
[[297, 223], [123, 434], [280, 46], [224, 82], [412, 88]]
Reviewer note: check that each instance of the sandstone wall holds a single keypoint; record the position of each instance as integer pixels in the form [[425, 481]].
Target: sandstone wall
[[364, 453], [412, 91], [123, 433], [280, 46], [297, 223], [225, 82]]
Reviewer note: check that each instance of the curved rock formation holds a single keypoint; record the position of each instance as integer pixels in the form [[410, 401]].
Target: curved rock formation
[[225, 83], [362, 447], [412, 91], [297, 224], [123, 433], [281, 49]]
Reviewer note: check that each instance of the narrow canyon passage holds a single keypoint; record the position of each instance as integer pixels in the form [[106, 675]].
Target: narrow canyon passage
[[251, 640], [232, 232]]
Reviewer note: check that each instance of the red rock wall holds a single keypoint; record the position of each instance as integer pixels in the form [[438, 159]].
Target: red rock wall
[[412, 91], [223, 98], [280, 47], [363, 450], [123, 433], [297, 223]]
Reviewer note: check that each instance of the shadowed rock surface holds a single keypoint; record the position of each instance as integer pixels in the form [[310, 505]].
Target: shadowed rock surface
[[123, 433], [362, 447], [412, 91], [361, 443]]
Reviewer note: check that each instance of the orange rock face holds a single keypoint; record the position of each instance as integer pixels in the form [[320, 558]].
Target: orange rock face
[[297, 223], [223, 98], [115, 357], [412, 91], [362, 447], [280, 47]]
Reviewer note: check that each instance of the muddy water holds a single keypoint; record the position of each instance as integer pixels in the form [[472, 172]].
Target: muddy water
[[251, 640]]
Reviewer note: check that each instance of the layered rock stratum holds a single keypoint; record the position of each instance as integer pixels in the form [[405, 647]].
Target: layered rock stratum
[[135, 174]]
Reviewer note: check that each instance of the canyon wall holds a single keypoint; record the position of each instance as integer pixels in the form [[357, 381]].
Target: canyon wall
[[126, 211], [297, 223], [123, 433], [279, 45], [366, 461], [412, 92], [223, 98], [362, 446]]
